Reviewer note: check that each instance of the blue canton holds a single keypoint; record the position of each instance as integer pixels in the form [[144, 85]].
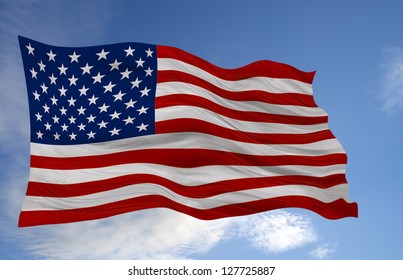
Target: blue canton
[[90, 94]]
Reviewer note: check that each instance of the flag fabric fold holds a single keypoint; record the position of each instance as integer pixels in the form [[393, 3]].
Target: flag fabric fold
[[130, 126]]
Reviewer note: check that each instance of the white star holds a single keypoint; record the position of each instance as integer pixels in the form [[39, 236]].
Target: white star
[[115, 115], [72, 101], [63, 69], [46, 108], [74, 57], [83, 90], [136, 83], [38, 117], [102, 124], [125, 74], [72, 136], [149, 53], [63, 111], [115, 65], [39, 134], [41, 66], [64, 127], [140, 62], [52, 79], [81, 110], [81, 126], [86, 69], [102, 54], [36, 94], [130, 104], [63, 91], [72, 80], [103, 108], [128, 120], [57, 136], [51, 55], [48, 126], [114, 131], [55, 119], [129, 51], [118, 96], [54, 100], [142, 127], [109, 87], [91, 135], [44, 88], [33, 72], [145, 91], [148, 71], [93, 100], [91, 118], [98, 78], [142, 110], [30, 49], [72, 119]]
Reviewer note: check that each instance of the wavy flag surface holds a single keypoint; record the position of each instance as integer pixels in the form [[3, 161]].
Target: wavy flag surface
[[131, 126]]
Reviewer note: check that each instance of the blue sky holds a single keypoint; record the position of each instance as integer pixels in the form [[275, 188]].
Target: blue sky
[[356, 47]]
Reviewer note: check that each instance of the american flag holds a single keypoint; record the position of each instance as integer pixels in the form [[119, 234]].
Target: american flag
[[124, 127]]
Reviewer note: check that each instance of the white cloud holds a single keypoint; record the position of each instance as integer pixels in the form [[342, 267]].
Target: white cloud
[[323, 251], [278, 231], [151, 234], [165, 234], [391, 93]]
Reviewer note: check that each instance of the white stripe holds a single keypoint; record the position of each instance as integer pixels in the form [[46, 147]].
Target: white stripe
[[177, 112], [185, 176], [32, 203], [169, 88], [274, 85], [186, 140]]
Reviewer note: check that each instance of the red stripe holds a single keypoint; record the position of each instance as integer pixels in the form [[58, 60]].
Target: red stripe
[[263, 68], [183, 158], [193, 125], [297, 99], [200, 191], [187, 100], [334, 210]]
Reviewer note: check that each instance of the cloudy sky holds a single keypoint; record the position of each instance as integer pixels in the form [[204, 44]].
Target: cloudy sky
[[356, 47]]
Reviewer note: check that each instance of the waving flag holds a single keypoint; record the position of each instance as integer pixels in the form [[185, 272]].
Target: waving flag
[[130, 126]]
